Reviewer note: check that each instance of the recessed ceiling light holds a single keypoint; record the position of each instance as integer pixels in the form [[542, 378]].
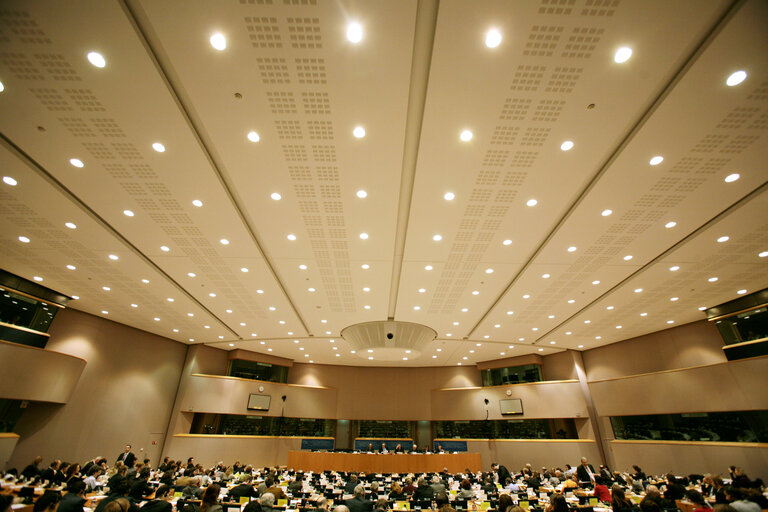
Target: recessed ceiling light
[[712, 279], [534, 329], [354, 32], [229, 311], [622, 55], [439, 349], [674, 299], [670, 321], [363, 236], [134, 305], [175, 330], [269, 350], [275, 196], [145, 281], [531, 202], [497, 326], [311, 290], [244, 270], [475, 292], [466, 135], [291, 237], [358, 132], [367, 306], [75, 297], [455, 324], [164, 248], [281, 322], [541, 350], [581, 346], [736, 78], [551, 316], [366, 289], [656, 160], [598, 337], [507, 242], [572, 248], [37, 278], [2, 87], [486, 337], [464, 310], [253, 136], [224, 241], [674, 268], [627, 257], [99, 61], [587, 321], [723, 239], [741, 292], [71, 267], [492, 38], [128, 213], [526, 296], [171, 299], [643, 314], [416, 308], [302, 267], [437, 238], [362, 194], [157, 319], [231, 344], [763, 254], [190, 315], [114, 257], [191, 274], [606, 213], [568, 333], [218, 41], [670, 224], [76, 162], [259, 291], [571, 301], [510, 313], [732, 177], [422, 290], [567, 145], [106, 288], [545, 276], [71, 225], [449, 196], [552, 342], [197, 202], [10, 181], [158, 147], [104, 312], [365, 266], [595, 282], [434, 357], [609, 308], [272, 308], [428, 267]]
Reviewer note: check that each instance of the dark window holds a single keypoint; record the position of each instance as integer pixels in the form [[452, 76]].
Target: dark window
[[23, 311], [382, 429], [737, 426], [258, 371], [10, 412], [560, 428], [233, 424], [512, 375], [746, 326]]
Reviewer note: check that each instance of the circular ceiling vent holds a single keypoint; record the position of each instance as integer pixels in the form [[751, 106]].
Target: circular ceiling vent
[[388, 341]]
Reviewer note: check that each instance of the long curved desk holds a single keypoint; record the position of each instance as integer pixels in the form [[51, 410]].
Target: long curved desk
[[384, 463]]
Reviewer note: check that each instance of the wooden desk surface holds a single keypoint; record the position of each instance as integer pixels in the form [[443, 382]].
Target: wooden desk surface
[[384, 463]]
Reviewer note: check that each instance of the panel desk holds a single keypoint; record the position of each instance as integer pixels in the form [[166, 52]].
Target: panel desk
[[384, 463]]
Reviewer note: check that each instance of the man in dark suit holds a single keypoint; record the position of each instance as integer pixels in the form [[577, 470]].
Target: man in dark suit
[[127, 457], [358, 503], [160, 503], [502, 472], [585, 472], [244, 490], [74, 499]]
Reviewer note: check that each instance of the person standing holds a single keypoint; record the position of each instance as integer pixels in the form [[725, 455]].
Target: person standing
[[127, 457]]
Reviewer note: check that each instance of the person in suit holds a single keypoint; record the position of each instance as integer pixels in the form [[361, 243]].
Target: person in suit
[[349, 487], [423, 491], [74, 500], [161, 503], [244, 490], [358, 503], [33, 469], [585, 471], [127, 457], [502, 473]]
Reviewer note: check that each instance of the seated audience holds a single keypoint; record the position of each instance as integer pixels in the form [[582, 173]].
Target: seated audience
[[210, 501], [48, 502], [557, 503], [423, 490], [601, 491], [243, 490], [397, 492], [465, 490], [267, 502], [619, 501], [161, 502], [74, 499], [358, 502]]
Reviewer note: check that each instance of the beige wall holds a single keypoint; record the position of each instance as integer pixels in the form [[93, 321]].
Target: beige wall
[[7, 445], [559, 366], [686, 459], [515, 453], [30, 373], [124, 394], [693, 344], [208, 450]]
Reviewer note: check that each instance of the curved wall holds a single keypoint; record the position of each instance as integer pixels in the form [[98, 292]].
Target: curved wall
[[30, 373]]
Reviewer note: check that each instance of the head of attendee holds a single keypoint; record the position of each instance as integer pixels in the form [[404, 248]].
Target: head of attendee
[[370, 447], [517, 509], [396, 492], [267, 501], [557, 503], [359, 491], [210, 497], [398, 448], [381, 504], [649, 506], [48, 502], [505, 501], [253, 506], [76, 487], [341, 508], [697, 499], [441, 498], [619, 499], [5, 503], [321, 503]]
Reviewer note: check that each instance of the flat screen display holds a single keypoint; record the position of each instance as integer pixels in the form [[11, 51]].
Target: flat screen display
[[511, 406], [259, 402]]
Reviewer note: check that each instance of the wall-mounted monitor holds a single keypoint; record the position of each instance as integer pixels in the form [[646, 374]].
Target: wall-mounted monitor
[[511, 406], [259, 402]]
